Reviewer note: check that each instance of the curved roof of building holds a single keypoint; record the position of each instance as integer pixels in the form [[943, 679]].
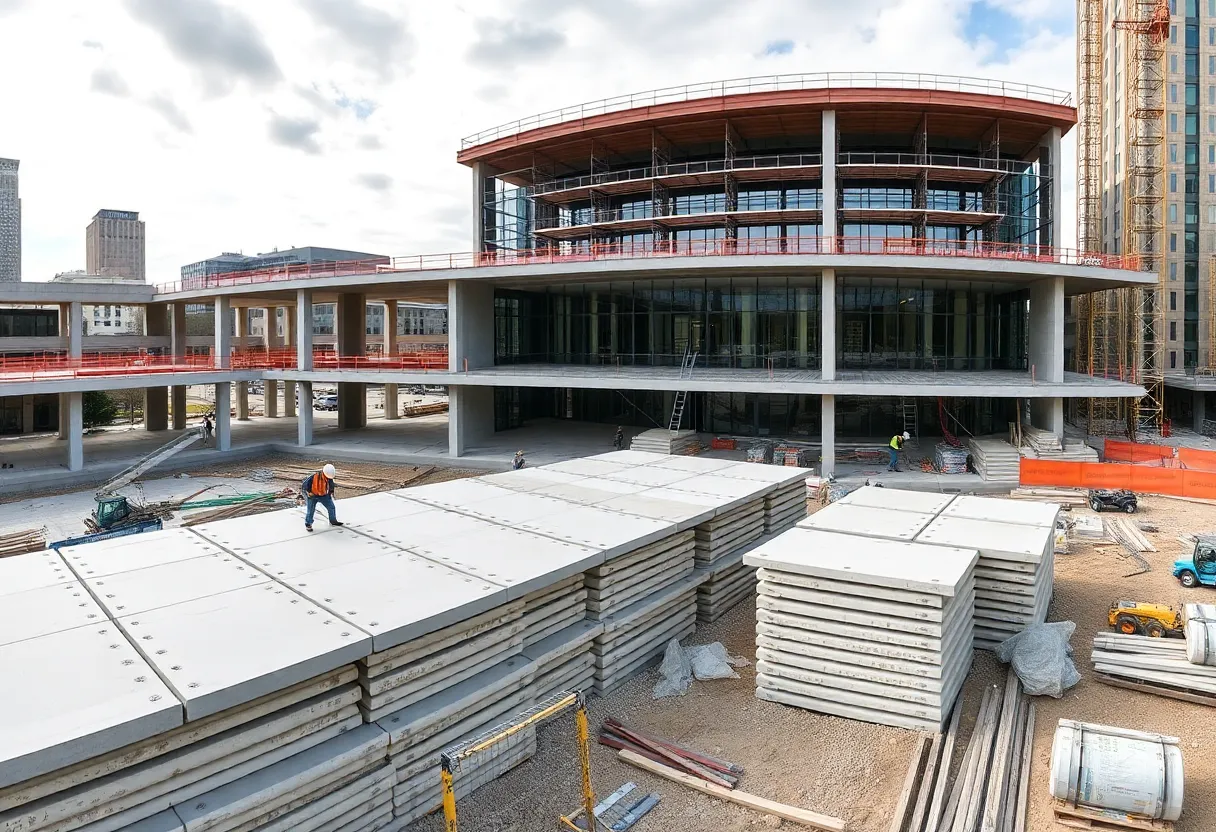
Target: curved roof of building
[[779, 105]]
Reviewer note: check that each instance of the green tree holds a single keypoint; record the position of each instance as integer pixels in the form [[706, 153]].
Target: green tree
[[98, 408]]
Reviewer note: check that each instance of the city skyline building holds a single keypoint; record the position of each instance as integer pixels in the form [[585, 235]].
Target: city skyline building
[[10, 222], [114, 245]]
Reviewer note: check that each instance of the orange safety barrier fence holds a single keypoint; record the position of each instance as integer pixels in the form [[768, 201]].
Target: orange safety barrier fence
[[1197, 460], [1116, 451], [1145, 479]]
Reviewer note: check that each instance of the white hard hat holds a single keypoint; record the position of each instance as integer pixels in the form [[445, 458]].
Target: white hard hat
[[907, 435], [329, 471]]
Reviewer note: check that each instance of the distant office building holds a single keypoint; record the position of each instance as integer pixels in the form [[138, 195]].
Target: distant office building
[[110, 318], [230, 263], [114, 245], [10, 222]]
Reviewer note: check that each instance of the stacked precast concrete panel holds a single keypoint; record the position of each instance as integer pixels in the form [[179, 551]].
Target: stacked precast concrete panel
[[1016, 542], [864, 628], [431, 616]]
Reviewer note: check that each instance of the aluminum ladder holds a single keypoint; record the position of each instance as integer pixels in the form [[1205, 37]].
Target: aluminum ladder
[[909, 413], [677, 410]]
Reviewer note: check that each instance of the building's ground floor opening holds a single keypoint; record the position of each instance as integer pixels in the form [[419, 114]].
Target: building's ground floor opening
[[760, 415], [28, 414]]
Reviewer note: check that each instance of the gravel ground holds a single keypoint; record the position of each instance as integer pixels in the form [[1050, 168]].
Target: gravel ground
[[849, 769]]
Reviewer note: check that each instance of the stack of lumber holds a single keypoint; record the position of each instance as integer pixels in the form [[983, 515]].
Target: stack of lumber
[[22, 542], [345, 479], [1017, 562], [868, 629], [1072, 497], [411, 411], [949, 459], [1041, 441], [664, 441], [994, 458], [615, 734], [991, 790], [1153, 665]]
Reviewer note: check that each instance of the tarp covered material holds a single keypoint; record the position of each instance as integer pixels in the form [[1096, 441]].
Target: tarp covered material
[[1042, 658], [704, 662]]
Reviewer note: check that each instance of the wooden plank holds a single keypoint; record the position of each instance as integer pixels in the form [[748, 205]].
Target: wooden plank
[[1010, 794], [1003, 746], [805, 817], [916, 768], [1082, 817], [1019, 820], [928, 782], [973, 745], [969, 807], [1185, 696], [680, 762], [943, 771]]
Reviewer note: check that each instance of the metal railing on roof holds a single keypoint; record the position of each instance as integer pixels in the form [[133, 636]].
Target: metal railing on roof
[[772, 83], [753, 246]]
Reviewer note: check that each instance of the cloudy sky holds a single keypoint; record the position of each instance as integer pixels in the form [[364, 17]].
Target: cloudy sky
[[244, 126]]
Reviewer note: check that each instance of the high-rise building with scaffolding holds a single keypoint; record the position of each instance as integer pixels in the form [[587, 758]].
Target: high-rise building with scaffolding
[[1146, 186]]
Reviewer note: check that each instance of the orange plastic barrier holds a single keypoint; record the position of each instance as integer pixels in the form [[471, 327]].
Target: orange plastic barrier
[[1041, 472], [1199, 484], [1148, 479], [1116, 451], [1197, 460]]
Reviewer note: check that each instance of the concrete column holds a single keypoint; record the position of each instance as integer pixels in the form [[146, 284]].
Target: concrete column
[[64, 424], [179, 407], [177, 331], [470, 325], [270, 398], [1049, 158], [470, 417], [303, 330], [391, 407], [223, 333], [223, 417], [350, 337], [827, 324], [289, 338], [75, 408], [156, 321], [830, 226], [479, 228], [156, 408], [1198, 410], [27, 414], [827, 434], [75, 331], [304, 419], [1046, 336], [241, 330]]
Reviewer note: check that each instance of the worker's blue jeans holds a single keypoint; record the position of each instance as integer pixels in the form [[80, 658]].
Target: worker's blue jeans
[[894, 459], [325, 500]]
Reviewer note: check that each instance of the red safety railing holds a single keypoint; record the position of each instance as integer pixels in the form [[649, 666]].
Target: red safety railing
[[581, 252]]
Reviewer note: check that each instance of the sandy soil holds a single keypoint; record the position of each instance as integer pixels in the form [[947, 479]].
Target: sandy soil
[[849, 769]]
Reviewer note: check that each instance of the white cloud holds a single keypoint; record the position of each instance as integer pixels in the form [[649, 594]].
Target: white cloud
[[206, 142]]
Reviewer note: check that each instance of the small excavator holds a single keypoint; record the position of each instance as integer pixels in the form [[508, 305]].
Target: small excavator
[[115, 515]]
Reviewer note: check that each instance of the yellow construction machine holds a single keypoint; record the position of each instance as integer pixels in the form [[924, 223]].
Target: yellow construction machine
[[1135, 618]]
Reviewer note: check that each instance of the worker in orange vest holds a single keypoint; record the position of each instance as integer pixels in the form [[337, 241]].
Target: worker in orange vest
[[319, 488]]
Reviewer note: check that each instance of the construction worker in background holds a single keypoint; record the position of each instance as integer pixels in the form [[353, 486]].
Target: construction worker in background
[[518, 462], [206, 429], [618, 441], [897, 445], [319, 488]]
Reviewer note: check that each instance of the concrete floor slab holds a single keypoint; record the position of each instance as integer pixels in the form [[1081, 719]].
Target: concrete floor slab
[[141, 551], [728, 487], [46, 610], [650, 476], [630, 457], [693, 464], [166, 821], [514, 509], [454, 492], [166, 585], [22, 573], [1018, 512], [370, 593], [530, 479], [224, 650], [587, 467], [259, 530], [867, 521], [867, 561], [293, 558], [581, 495], [611, 532], [422, 528], [682, 515], [898, 499], [371, 507], [778, 475], [123, 702], [993, 540], [520, 561], [424, 648]]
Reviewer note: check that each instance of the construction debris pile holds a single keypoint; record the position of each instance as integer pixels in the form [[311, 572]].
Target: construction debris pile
[[247, 674]]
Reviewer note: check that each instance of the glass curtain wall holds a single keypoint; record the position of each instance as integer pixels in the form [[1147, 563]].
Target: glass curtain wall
[[929, 325], [507, 217], [731, 323]]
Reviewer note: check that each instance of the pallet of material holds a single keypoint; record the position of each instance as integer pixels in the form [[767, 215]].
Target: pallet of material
[[862, 628], [949, 459], [1013, 578], [1153, 665], [1073, 497], [994, 459], [1083, 817], [22, 542], [664, 441]]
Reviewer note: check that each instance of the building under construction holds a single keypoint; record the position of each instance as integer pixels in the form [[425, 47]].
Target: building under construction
[[1146, 179]]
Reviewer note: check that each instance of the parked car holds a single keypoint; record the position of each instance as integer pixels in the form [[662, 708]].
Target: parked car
[[1109, 499], [327, 402]]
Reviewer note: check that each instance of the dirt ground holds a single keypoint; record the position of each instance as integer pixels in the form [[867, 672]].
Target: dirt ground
[[853, 770]]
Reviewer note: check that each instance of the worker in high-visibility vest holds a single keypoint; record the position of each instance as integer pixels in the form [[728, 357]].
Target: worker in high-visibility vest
[[319, 488], [897, 445]]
